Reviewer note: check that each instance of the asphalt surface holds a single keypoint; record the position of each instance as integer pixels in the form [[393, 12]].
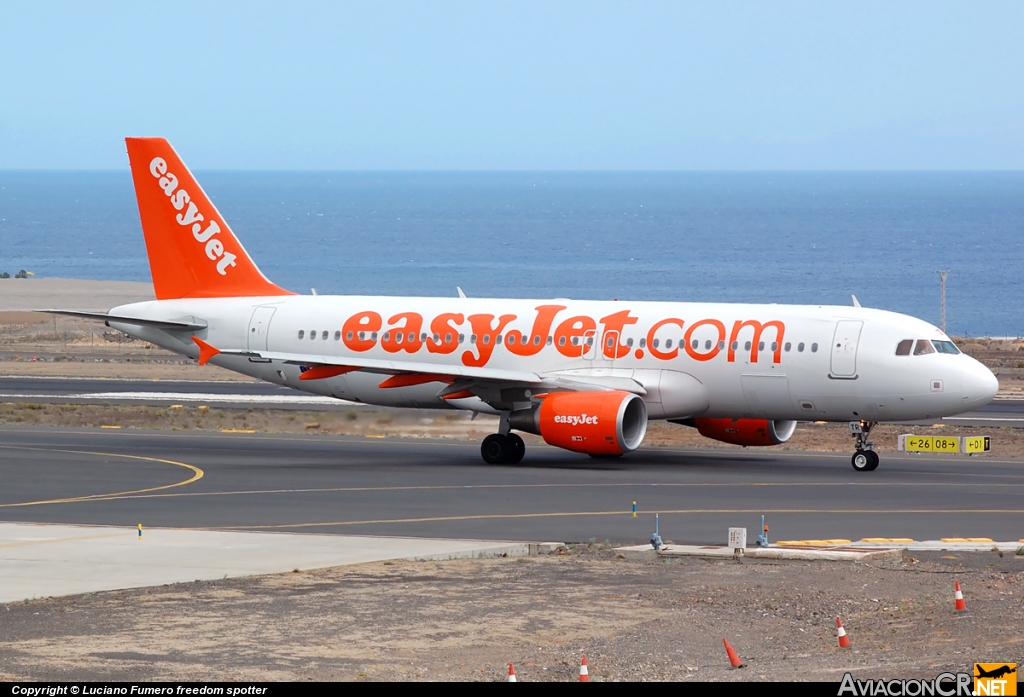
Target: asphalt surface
[[425, 488], [160, 393]]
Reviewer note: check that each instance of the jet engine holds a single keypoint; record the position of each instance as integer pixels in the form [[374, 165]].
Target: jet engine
[[597, 423], [744, 431]]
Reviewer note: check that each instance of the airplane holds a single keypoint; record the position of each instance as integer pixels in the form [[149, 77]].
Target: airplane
[[584, 375]]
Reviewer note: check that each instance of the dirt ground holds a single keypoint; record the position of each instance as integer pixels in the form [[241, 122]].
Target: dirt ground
[[380, 422], [467, 620]]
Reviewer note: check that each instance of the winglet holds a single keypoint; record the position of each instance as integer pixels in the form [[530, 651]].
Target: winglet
[[206, 352], [856, 303]]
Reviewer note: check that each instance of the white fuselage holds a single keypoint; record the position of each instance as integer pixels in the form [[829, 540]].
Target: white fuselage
[[694, 359]]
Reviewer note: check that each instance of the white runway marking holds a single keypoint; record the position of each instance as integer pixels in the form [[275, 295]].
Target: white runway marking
[[185, 397]]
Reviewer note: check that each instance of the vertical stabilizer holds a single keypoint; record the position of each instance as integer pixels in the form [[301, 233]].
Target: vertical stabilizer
[[192, 251]]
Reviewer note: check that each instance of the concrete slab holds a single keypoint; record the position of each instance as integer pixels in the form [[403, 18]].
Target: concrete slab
[[50, 560]]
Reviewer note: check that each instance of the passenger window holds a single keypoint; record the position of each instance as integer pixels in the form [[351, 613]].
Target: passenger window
[[707, 344], [735, 345], [551, 340], [775, 346], [760, 346], [302, 333], [789, 346], [448, 338], [536, 340], [575, 341], [497, 339], [412, 337], [399, 337], [654, 344], [324, 337], [348, 336], [312, 334], [472, 338], [462, 338], [337, 335], [923, 347], [362, 336], [487, 339], [694, 344], [945, 347], [437, 337], [561, 341], [746, 346], [721, 345], [512, 340], [814, 348], [668, 343], [629, 342], [423, 336], [643, 342], [373, 336], [800, 347], [903, 348]]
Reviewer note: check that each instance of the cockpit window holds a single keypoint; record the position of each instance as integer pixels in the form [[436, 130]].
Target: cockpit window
[[923, 346], [903, 348], [945, 347]]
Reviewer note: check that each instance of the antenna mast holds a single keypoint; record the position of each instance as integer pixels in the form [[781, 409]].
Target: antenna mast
[[942, 295]]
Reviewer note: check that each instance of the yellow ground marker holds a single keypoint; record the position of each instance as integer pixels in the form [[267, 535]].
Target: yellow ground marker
[[237, 430], [888, 540], [108, 426], [812, 543], [979, 540]]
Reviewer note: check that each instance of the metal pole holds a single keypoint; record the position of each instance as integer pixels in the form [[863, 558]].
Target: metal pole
[[942, 301]]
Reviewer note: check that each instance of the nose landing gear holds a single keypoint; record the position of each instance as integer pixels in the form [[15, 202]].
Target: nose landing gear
[[865, 459]]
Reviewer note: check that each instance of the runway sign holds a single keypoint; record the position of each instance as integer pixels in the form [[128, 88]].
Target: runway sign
[[969, 445], [975, 444]]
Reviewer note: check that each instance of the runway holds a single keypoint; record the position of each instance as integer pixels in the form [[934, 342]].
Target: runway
[[432, 488]]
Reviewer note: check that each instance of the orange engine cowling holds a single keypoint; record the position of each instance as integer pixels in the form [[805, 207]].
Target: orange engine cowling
[[746, 431], [596, 423]]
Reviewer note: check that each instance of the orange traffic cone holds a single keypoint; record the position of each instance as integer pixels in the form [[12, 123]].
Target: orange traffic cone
[[733, 658], [959, 598], [844, 641], [511, 673], [584, 673]]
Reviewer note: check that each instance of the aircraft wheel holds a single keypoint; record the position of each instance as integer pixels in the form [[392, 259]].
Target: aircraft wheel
[[862, 460], [516, 450], [496, 449], [873, 456]]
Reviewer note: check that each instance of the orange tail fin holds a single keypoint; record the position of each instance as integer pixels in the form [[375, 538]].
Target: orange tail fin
[[192, 251]]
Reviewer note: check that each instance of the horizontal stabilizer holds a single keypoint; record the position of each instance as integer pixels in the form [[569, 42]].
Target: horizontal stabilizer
[[104, 317]]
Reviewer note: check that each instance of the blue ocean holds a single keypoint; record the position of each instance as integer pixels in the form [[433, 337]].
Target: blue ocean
[[734, 237]]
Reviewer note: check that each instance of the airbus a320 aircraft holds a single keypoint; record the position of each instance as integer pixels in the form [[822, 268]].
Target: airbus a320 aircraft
[[584, 375]]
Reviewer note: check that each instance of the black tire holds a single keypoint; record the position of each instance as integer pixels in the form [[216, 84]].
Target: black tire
[[873, 456], [495, 449], [861, 461], [516, 449]]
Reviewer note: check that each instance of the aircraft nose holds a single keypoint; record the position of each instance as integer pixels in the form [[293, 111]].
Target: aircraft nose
[[979, 386]]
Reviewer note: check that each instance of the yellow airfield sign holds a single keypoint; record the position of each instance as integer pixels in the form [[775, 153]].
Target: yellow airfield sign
[[975, 444], [969, 445]]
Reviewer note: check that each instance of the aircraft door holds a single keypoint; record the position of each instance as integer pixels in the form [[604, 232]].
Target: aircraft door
[[844, 348], [259, 328]]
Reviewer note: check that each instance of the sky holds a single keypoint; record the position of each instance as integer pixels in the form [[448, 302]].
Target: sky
[[516, 85]]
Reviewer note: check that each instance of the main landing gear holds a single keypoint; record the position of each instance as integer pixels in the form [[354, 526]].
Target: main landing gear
[[865, 459], [498, 449]]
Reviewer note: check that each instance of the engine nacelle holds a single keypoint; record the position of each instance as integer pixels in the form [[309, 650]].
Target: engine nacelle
[[596, 423], [746, 431]]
